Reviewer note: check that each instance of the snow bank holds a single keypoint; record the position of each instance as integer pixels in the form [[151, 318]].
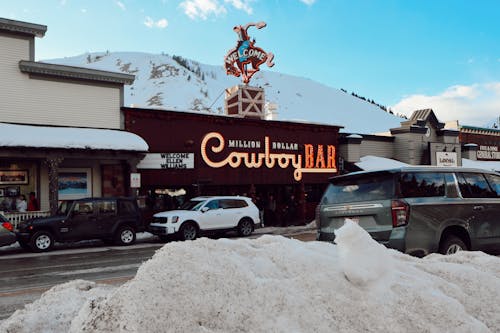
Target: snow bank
[[275, 284]]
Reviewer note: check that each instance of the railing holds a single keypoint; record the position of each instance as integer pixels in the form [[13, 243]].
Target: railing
[[16, 217]]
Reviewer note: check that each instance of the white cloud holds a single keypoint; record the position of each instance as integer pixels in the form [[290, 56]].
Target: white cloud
[[150, 23], [474, 105], [83, 11], [308, 2], [202, 9], [121, 5], [162, 23], [241, 5]]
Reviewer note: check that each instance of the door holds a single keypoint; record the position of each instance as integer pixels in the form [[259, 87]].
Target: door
[[212, 217], [233, 212], [81, 222], [482, 201], [107, 217]]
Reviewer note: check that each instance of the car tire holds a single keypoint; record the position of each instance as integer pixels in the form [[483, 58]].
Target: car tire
[[245, 227], [188, 231], [452, 244], [41, 241], [125, 236]]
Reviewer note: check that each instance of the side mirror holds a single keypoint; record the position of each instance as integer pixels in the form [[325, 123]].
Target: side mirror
[[205, 209]]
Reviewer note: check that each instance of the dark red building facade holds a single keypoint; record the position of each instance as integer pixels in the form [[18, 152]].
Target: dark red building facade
[[202, 154]]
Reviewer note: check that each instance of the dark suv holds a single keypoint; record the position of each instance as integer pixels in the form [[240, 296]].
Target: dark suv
[[110, 219], [417, 210]]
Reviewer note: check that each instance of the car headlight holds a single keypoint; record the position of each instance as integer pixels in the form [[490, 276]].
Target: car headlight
[[175, 219]]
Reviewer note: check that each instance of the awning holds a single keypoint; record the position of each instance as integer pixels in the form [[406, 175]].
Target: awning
[[13, 135]]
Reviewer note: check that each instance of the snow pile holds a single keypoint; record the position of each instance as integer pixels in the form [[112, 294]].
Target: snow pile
[[55, 309], [275, 284]]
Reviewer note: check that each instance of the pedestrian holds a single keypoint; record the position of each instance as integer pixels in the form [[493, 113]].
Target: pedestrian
[[270, 212], [290, 211], [260, 205], [21, 204], [33, 202]]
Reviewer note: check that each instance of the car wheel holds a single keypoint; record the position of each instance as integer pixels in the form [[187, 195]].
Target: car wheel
[[245, 227], [188, 231], [452, 244], [125, 236], [41, 241]]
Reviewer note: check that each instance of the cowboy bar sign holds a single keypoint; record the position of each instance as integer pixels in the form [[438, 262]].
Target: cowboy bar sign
[[255, 155], [239, 59]]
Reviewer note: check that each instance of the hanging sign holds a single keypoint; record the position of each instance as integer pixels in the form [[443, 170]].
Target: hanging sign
[[244, 60]]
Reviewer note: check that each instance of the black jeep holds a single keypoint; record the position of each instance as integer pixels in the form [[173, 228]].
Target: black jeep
[[114, 220]]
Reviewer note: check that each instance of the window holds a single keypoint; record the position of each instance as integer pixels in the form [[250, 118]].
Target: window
[[126, 207], [232, 203], [422, 184], [107, 207], [474, 185], [367, 187], [494, 181], [84, 208], [213, 204]]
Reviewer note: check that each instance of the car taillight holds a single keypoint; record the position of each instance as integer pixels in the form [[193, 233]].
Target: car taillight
[[400, 213], [8, 226]]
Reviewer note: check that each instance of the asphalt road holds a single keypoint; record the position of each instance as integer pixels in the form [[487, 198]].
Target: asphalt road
[[24, 276]]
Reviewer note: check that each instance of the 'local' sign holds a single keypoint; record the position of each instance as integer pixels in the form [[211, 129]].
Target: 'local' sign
[[167, 161], [446, 159]]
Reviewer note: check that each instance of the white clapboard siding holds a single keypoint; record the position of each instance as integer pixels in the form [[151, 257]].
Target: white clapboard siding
[[50, 102]]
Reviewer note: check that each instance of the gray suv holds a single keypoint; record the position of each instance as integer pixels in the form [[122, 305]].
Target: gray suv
[[417, 210]]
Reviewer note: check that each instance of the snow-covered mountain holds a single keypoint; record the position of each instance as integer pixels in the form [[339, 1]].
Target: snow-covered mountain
[[175, 83]]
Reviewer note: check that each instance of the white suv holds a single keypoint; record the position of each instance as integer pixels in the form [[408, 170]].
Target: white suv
[[205, 214]]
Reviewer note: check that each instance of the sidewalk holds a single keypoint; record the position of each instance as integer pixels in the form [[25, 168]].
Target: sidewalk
[[308, 231]]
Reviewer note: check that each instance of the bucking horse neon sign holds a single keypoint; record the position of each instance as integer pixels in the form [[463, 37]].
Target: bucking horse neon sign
[[237, 60]]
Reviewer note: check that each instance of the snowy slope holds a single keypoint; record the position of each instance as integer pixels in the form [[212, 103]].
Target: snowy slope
[[185, 85]]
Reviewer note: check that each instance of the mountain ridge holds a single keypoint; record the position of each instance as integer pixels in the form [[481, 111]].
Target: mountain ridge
[[176, 83]]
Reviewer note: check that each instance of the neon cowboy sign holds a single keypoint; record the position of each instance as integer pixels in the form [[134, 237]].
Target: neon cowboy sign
[[314, 160], [237, 60]]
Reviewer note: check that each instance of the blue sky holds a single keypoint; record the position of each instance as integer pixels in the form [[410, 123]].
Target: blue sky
[[405, 54]]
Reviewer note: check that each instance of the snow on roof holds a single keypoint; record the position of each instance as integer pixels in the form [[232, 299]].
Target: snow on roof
[[276, 284], [488, 165], [370, 163], [13, 135]]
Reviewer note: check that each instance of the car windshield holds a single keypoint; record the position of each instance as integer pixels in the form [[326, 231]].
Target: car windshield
[[192, 205]]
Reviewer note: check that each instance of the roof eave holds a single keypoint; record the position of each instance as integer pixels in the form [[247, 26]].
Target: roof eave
[[71, 72]]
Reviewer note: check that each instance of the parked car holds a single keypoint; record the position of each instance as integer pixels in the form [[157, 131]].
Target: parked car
[[7, 235], [114, 220], [417, 210], [207, 214]]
